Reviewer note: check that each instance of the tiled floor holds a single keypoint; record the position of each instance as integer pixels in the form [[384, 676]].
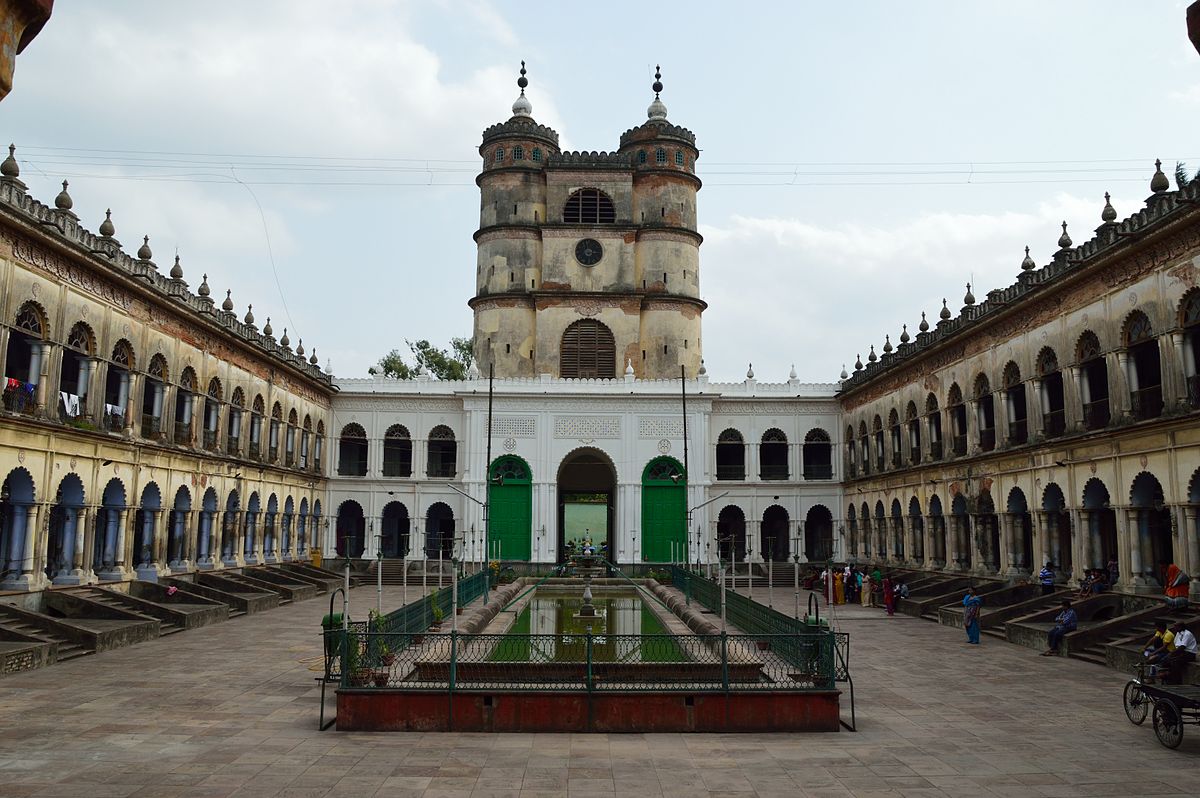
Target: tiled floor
[[232, 710]]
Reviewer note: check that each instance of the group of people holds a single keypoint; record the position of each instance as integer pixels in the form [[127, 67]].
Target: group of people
[[1169, 650], [1094, 582], [586, 548], [854, 585]]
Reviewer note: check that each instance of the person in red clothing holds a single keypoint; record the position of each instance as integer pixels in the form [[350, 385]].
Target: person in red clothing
[[1176, 588]]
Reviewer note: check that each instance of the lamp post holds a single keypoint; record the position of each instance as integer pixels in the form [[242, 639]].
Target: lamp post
[[796, 574], [379, 565]]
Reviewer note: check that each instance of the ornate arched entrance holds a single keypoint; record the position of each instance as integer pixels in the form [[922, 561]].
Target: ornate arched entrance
[[587, 496], [664, 511], [510, 509]]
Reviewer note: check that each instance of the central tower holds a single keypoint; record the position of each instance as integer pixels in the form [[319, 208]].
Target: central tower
[[588, 261]]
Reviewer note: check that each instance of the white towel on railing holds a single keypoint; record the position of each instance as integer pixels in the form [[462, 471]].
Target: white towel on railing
[[70, 404], [114, 410]]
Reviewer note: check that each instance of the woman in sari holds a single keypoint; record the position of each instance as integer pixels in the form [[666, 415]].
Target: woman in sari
[[864, 592], [971, 604], [889, 596], [839, 588]]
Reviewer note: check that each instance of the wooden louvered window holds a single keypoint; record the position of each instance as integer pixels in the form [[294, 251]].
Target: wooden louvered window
[[588, 351], [589, 206]]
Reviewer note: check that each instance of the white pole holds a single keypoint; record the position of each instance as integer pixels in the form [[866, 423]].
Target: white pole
[[770, 581], [404, 577], [796, 575], [439, 564], [346, 597], [453, 595]]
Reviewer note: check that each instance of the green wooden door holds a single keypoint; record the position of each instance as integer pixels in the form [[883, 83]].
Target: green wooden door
[[510, 508], [664, 510]]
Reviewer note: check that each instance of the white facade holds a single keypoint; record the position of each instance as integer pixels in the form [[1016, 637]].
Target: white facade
[[626, 422]]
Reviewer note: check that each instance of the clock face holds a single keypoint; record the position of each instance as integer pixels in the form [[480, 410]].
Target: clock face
[[588, 252]]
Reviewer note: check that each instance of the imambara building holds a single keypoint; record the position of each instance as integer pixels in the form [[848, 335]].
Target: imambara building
[[146, 430]]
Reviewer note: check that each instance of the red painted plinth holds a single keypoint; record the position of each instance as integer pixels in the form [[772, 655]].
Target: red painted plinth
[[401, 710]]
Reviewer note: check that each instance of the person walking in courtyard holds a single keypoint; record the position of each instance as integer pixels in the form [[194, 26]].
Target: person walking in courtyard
[[1065, 622], [839, 588], [971, 604], [889, 596], [1046, 578]]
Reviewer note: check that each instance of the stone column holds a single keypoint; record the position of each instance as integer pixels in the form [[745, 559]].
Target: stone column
[[929, 531], [1129, 548], [1190, 532], [204, 539], [1119, 384], [32, 513], [1049, 548], [1037, 406], [130, 383], [39, 370], [979, 539], [83, 522], [1007, 556]]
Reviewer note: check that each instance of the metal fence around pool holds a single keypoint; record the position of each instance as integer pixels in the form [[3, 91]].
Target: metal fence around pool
[[588, 662]]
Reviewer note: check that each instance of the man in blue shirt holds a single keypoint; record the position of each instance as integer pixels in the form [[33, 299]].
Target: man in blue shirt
[[1046, 578], [1066, 622]]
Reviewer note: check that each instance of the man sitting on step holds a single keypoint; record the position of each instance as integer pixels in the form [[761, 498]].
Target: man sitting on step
[[1065, 622]]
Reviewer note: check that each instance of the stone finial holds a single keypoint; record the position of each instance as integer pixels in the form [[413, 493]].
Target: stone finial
[[628, 367], [871, 356], [106, 227], [249, 315], [858, 364], [945, 313], [63, 201], [750, 372], [227, 305], [1159, 183], [1109, 214], [267, 331], [144, 252], [284, 341], [887, 344], [204, 290], [10, 167], [844, 375], [792, 373], [968, 298], [300, 348], [177, 270], [657, 110], [522, 106], [1028, 265], [703, 368], [1064, 240], [313, 360], [904, 336], [924, 325]]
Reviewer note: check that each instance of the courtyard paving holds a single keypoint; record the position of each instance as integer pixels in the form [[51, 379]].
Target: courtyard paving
[[232, 710]]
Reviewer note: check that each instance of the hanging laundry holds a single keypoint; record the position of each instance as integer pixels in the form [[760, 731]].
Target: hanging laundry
[[70, 404]]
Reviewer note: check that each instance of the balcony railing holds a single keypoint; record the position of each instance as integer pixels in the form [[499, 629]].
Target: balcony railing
[[914, 457], [879, 461], [896, 459], [774, 471], [733, 472], [151, 426], [987, 439], [1018, 431], [819, 471], [402, 468], [1055, 423], [255, 450], [1096, 414], [935, 450], [853, 470], [289, 459], [1193, 390], [19, 397], [233, 445], [273, 454], [112, 419], [183, 433], [1146, 403], [210, 440], [960, 445]]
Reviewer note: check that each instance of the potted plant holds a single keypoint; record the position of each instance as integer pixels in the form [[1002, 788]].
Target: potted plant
[[437, 618], [384, 674]]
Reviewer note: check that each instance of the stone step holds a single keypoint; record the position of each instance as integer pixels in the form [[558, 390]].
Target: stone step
[[66, 648]]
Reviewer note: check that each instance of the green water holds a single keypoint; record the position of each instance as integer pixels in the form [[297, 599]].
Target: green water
[[548, 631]]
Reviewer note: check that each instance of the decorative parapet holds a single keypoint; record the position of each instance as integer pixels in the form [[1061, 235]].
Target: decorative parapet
[[108, 260], [1111, 239], [520, 127], [655, 129], [590, 160]]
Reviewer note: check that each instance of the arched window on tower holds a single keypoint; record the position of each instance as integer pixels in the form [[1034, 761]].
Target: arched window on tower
[[588, 351], [641, 156], [660, 156], [589, 206], [679, 157], [537, 155], [518, 153]]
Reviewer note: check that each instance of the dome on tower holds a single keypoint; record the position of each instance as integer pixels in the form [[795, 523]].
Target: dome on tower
[[522, 106], [657, 110]]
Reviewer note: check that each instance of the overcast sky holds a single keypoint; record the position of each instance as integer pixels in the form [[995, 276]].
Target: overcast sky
[[861, 160]]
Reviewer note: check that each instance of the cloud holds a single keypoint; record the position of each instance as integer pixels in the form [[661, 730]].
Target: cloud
[[784, 290]]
